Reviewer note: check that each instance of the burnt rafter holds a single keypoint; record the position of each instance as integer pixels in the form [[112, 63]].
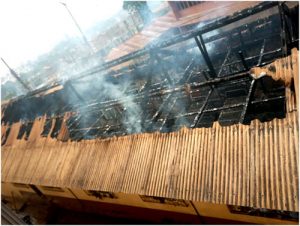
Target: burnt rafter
[[202, 48], [199, 114], [248, 99], [207, 99], [170, 83]]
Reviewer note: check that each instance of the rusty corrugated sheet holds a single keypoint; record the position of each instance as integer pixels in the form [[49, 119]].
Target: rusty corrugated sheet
[[254, 165], [284, 69], [197, 14]]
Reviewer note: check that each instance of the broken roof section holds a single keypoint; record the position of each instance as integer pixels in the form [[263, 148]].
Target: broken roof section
[[192, 79], [255, 165]]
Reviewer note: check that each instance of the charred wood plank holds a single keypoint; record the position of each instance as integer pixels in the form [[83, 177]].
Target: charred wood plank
[[248, 100], [47, 127], [198, 116], [56, 128], [202, 48], [243, 60]]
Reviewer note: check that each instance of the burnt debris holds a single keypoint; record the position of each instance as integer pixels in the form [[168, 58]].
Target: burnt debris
[[197, 75], [47, 127], [57, 126], [25, 130], [5, 136]]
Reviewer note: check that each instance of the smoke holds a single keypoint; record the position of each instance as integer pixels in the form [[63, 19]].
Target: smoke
[[132, 113], [105, 88]]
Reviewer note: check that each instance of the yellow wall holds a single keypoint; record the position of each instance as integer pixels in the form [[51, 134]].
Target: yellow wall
[[205, 209]]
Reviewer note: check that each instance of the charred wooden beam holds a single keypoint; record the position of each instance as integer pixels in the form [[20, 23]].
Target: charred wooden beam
[[224, 62], [118, 126], [249, 96], [47, 127], [197, 118], [184, 79], [243, 60], [261, 53], [22, 130], [283, 29], [159, 92], [254, 58], [202, 48], [231, 106], [57, 126]]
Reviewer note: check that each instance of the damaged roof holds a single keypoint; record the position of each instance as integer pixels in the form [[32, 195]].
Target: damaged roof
[[192, 80]]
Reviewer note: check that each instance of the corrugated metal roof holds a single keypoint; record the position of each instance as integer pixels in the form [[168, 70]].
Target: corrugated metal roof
[[254, 165], [203, 12]]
